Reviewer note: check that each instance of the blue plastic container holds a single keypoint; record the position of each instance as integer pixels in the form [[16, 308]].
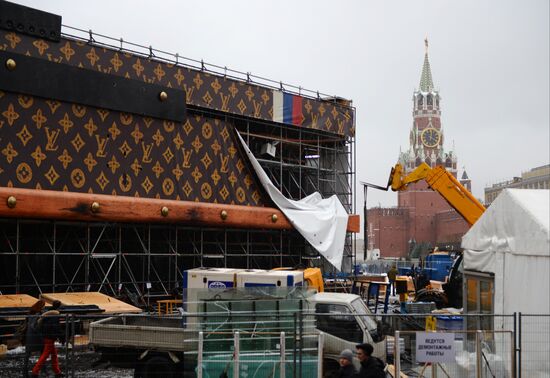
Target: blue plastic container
[[404, 270], [439, 266]]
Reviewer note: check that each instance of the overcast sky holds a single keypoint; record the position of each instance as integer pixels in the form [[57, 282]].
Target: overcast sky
[[489, 59]]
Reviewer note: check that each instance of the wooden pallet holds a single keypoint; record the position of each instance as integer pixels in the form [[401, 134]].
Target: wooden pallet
[[109, 304], [17, 300]]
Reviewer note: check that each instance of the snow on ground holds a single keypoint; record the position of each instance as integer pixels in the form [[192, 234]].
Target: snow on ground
[[82, 364]]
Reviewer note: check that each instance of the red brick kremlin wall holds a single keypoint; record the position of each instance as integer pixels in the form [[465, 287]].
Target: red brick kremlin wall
[[422, 215], [388, 228]]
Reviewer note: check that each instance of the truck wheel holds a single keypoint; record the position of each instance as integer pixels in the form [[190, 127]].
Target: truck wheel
[[154, 366]]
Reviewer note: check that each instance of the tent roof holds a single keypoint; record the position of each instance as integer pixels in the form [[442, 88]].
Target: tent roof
[[518, 221]]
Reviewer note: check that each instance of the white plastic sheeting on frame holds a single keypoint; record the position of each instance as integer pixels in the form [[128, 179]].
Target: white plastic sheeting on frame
[[322, 222], [511, 240]]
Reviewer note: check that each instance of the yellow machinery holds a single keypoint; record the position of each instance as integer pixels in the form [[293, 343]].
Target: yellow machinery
[[442, 182], [312, 277]]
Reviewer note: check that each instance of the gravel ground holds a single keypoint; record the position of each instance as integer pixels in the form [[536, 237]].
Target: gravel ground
[[83, 363]]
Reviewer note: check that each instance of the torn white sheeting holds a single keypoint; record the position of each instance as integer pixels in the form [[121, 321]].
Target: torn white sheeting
[[322, 222]]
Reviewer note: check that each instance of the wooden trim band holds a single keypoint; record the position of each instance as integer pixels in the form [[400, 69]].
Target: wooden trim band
[[71, 206]]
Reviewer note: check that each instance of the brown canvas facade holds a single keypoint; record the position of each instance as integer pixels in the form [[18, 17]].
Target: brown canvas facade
[[120, 170], [203, 89], [51, 145]]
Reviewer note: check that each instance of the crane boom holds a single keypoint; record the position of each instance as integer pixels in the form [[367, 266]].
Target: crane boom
[[440, 180]]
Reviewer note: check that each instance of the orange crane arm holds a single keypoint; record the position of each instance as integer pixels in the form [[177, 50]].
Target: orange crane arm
[[440, 180]]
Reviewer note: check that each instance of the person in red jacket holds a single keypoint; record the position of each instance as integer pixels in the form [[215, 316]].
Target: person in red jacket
[[51, 331]]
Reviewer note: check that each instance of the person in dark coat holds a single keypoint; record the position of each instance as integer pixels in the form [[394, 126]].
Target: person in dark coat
[[51, 331], [29, 333], [347, 370], [371, 367], [392, 275]]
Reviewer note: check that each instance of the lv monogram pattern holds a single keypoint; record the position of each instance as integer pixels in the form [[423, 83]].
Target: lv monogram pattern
[[46, 144], [203, 89]]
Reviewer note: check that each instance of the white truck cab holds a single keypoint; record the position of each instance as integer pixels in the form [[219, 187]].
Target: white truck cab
[[343, 331]]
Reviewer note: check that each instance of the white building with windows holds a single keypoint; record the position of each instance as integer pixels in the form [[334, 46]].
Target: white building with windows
[[536, 178]]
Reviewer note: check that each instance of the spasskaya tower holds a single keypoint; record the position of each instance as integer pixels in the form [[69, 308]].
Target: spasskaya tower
[[422, 218], [426, 136]]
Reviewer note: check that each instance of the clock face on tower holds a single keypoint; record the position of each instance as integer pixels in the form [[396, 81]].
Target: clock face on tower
[[430, 137]]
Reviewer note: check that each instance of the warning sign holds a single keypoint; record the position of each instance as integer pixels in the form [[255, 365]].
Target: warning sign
[[435, 347]]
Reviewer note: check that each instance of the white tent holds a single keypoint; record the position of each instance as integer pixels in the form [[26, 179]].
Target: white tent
[[511, 240]]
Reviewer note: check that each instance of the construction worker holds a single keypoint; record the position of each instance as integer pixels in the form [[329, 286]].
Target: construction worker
[[51, 330], [392, 275]]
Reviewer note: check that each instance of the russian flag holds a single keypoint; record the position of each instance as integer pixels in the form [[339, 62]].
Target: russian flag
[[287, 108]]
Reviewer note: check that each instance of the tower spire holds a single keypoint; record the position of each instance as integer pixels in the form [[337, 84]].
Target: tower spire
[[426, 82]]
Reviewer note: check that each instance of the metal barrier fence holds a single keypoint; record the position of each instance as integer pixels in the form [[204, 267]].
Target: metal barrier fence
[[277, 362], [257, 344], [456, 354], [533, 335], [485, 345], [285, 345]]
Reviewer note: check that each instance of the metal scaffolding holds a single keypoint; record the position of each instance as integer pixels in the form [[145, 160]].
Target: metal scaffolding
[[303, 161], [142, 260]]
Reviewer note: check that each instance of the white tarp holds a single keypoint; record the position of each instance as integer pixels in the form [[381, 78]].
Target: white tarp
[[517, 222], [512, 241], [322, 222]]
